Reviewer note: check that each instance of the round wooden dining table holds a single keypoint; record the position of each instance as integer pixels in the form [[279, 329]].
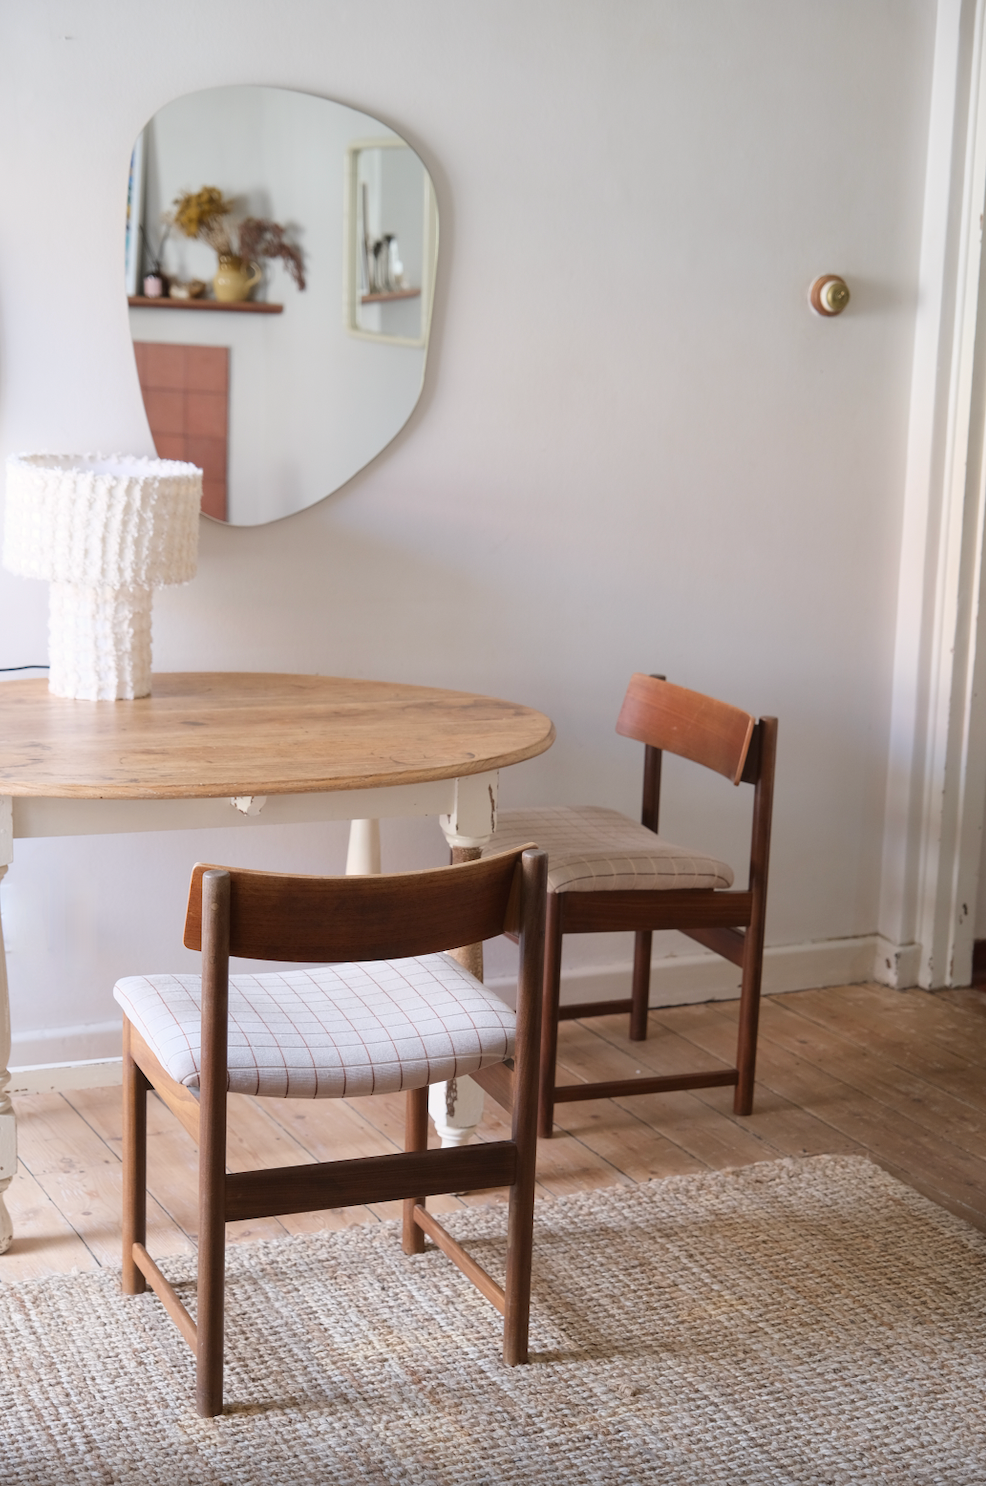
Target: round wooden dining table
[[248, 748]]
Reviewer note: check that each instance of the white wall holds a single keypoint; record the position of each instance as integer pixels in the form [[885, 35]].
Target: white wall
[[636, 448], [310, 403]]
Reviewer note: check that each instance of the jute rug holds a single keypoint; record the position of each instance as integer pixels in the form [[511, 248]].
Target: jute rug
[[806, 1321]]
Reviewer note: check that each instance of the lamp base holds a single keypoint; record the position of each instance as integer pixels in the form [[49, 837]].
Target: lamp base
[[99, 642]]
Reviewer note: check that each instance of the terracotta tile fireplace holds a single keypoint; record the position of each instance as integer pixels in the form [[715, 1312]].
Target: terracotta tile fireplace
[[186, 396]]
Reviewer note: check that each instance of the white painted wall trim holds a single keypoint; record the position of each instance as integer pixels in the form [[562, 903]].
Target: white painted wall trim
[[682, 980], [82, 1042], [936, 786], [59, 1078]]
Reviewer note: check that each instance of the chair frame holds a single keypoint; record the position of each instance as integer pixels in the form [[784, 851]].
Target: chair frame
[[670, 719], [256, 915]]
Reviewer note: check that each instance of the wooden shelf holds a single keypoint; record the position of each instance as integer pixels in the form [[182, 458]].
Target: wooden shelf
[[238, 306], [391, 294]]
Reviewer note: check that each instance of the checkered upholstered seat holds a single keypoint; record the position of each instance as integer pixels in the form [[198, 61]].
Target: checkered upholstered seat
[[591, 849], [330, 1033]]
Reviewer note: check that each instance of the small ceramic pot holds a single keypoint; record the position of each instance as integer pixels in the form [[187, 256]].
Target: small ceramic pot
[[192, 289], [154, 286], [235, 278]]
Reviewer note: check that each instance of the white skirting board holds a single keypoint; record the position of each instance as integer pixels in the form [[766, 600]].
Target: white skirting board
[[897, 965], [676, 980], [682, 980], [83, 1042], [58, 1078]]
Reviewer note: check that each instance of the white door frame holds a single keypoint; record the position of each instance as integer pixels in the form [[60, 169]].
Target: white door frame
[[936, 784]]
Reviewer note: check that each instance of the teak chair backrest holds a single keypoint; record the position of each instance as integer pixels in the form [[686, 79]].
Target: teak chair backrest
[[281, 916], [688, 724]]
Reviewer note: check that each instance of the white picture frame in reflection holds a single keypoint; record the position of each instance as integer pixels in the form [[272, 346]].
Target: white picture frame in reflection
[[391, 218]]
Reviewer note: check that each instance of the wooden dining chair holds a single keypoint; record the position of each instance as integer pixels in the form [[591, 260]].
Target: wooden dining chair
[[606, 872], [392, 1013]]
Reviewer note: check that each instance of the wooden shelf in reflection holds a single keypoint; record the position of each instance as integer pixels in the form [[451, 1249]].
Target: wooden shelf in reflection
[[241, 306], [391, 294]]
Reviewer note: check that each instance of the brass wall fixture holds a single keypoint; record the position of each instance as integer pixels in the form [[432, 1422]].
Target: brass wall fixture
[[828, 295]]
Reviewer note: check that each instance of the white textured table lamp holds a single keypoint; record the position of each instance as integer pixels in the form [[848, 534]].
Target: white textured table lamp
[[105, 530]]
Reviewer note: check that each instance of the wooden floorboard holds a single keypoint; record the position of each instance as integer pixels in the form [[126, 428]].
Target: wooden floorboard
[[871, 1111], [893, 1025], [899, 1077], [46, 1242], [876, 1077], [80, 1174]]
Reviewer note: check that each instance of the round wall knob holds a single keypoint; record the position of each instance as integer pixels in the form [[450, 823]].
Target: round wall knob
[[828, 295]]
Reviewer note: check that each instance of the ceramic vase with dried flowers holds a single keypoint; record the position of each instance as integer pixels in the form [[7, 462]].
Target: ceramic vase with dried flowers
[[206, 215]]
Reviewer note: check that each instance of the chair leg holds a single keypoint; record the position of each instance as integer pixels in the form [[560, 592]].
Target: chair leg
[[520, 1253], [520, 1219], [211, 1298], [641, 985], [749, 1018], [749, 1015], [549, 1014], [415, 1139], [135, 1088], [213, 1078]]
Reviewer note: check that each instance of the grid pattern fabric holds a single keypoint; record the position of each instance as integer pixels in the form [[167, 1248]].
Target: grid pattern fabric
[[592, 849], [334, 1032]]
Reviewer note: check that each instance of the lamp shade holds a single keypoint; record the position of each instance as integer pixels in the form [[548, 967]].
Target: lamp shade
[[104, 530]]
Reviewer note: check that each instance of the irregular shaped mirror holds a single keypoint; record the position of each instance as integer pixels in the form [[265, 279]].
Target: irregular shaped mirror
[[281, 254]]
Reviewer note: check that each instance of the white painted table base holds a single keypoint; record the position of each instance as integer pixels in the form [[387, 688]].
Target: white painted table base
[[466, 808]]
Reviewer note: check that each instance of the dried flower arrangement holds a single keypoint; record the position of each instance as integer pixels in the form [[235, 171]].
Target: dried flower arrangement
[[259, 237], [196, 212], [204, 214]]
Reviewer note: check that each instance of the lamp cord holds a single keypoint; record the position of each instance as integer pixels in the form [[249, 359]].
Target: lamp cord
[[24, 668]]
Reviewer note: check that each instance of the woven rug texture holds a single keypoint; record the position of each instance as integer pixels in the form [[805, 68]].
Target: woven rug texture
[[801, 1321]]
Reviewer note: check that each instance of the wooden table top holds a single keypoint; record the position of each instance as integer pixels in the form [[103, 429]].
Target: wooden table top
[[208, 734]]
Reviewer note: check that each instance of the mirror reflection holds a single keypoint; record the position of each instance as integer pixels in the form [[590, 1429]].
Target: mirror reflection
[[281, 254]]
